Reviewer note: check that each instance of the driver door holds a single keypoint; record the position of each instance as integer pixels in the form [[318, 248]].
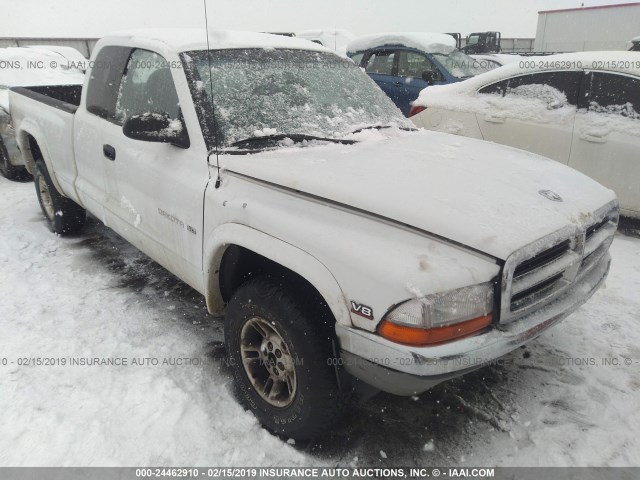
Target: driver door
[[411, 68], [534, 112], [157, 189], [380, 66]]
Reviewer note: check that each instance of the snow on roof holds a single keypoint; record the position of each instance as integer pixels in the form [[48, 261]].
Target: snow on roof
[[636, 39], [427, 42], [624, 62], [186, 39]]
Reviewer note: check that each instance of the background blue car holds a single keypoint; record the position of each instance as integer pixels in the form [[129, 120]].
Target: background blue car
[[404, 64]]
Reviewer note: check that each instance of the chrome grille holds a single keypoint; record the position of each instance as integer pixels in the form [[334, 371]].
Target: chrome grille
[[541, 259], [537, 274]]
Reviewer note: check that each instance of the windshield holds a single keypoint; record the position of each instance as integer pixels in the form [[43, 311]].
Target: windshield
[[269, 92], [459, 64]]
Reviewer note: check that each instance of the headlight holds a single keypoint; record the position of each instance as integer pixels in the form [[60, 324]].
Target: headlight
[[440, 317]]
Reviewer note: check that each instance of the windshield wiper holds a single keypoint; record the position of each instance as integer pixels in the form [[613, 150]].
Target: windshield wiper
[[380, 127], [296, 137]]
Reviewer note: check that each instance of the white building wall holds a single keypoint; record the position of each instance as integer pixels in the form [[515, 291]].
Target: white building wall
[[588, 29]]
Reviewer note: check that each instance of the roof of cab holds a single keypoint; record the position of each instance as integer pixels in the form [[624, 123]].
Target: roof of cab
[[188, 39]]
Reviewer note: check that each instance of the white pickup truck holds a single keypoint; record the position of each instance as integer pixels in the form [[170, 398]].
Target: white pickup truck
[[348, 251]]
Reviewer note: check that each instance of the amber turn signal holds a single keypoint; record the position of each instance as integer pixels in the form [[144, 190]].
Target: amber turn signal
[[429, 336]]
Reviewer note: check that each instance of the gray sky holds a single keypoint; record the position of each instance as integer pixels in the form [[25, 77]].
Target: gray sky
[[95, 18]]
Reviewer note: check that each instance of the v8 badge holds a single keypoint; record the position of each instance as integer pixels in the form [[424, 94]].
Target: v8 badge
[[362, 310]]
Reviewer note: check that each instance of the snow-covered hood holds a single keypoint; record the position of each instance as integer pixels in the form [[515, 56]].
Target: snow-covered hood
[[473, 192]]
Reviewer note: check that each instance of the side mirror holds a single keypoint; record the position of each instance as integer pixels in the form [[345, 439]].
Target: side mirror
[[428, 76], [156, 127]]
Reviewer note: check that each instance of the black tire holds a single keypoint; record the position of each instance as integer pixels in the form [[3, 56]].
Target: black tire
[[8, 170], [317, 402], [63, 215]]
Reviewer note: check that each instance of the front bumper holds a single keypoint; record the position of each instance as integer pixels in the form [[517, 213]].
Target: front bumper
[[407, 370]]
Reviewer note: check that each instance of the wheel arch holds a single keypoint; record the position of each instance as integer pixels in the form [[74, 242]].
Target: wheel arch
[[33, 148], [237, 253]]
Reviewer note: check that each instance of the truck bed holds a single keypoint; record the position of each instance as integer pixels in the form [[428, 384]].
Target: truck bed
[[63, 97], [46, 113]]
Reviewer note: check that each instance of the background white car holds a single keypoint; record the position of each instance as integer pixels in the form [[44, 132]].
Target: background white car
[[581, 109], [73, 58]]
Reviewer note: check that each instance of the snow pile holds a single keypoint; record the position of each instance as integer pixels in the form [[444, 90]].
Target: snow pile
[[427, 42], [265, 132], [605, 122]]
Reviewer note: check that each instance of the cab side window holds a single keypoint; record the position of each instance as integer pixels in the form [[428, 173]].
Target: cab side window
[[104, 84], [413, 64], [381, 62], [498, 88], [549, 86], [147, 87], [614, 93]]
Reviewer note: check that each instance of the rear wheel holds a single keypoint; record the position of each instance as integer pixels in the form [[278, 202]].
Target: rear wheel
[[64, 215], [8, 170], [281, 360]]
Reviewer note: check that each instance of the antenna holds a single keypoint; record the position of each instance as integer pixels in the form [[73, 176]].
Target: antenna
[[213, 108]]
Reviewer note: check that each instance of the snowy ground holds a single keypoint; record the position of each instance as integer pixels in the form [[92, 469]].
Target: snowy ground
[[551, 403]]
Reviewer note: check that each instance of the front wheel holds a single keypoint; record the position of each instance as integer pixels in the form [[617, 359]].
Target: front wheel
[[281, 361], [64, 215]]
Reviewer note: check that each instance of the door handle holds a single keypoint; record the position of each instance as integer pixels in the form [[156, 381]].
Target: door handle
[[491, 119], [588, 137], [109, 152]]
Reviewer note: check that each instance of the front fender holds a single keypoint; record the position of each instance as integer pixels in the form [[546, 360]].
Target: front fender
[[283, 253]]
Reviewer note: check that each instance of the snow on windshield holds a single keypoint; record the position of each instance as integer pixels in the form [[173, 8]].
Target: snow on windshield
[[291, 92]]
